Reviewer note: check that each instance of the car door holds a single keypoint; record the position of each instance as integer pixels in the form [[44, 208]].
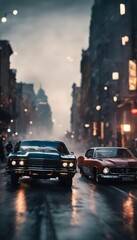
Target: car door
[[88, 163]]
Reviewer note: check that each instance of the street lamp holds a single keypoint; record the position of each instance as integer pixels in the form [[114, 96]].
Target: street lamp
[[125, 131], [4, 18]]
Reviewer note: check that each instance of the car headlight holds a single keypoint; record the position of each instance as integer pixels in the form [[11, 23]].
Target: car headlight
[[21, 163], [106, 170], [71, 164], [64, 164], [13, 162]]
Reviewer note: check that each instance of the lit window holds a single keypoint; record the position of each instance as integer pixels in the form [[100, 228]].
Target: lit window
[[132, 79], [86, 125], [125, 127], [125, 39], [115, 75], [122, 9], [105, 88], [98, 107], [94, 128], [115, 98]]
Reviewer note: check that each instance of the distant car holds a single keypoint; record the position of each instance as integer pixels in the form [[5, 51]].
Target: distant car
[[108, 163], [41, 159]]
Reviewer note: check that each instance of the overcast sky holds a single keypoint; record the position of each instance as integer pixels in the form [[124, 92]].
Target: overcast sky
[[48, 36]]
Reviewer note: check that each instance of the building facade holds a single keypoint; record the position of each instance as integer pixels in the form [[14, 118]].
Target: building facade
[[43, 115], [109, 76], [7, 88], [75, 118]]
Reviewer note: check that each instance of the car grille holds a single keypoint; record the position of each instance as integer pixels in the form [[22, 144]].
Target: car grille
[[123, 170], [44, 163]]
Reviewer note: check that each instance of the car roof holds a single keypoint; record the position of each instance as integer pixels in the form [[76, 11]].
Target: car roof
[[108, 148], [41, 140]]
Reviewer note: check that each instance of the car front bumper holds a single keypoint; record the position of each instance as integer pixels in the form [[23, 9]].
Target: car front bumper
[[41, 173], [119, 177]]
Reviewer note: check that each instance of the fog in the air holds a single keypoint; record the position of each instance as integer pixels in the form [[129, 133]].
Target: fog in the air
[[47, 45]]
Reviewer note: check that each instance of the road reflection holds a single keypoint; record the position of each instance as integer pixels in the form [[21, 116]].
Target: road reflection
[[75, 217], [20, 209], [128, 214], [93, 193], [81, 202]]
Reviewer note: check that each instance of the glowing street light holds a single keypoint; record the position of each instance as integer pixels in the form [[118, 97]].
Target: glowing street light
[[15, 12], [98, 107], [86, 125], [4, 18], [8, 130], [105, 88], [115, 98], [126, 127]]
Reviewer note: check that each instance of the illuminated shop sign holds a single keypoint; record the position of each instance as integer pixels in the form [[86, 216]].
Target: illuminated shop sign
[[132, 75]]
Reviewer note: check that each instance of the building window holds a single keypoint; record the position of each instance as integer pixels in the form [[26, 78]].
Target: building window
[[132, 80], [122, 9], [94, 128], [115, 75], [125, 40]]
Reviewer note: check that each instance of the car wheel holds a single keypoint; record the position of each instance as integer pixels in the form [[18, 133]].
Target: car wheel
[[66, 181], [97, 177], [81, 172], [14, 179]]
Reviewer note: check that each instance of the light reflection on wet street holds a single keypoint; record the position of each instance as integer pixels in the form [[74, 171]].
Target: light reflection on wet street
[[45, 210]]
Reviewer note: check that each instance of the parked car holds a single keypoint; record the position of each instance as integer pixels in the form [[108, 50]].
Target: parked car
[[108, 163], [41, 159]]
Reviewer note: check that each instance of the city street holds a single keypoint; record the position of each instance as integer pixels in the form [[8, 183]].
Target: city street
[[44, 210], [68, 105]]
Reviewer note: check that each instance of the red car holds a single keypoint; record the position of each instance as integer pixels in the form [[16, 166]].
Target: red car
[[108, 163]]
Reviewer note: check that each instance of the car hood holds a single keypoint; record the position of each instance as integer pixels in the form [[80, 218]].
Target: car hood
[[118, 162], [44, 155]]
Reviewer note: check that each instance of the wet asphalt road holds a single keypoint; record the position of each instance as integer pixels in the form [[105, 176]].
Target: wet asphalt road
[[44, 210]]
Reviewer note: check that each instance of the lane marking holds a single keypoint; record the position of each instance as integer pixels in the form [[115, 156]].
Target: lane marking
[[125, 193]]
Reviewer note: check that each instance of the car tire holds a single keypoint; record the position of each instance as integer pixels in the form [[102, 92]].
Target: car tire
[[97, 177], [66, 181], [83, 174], [81, 171], [14, 179]]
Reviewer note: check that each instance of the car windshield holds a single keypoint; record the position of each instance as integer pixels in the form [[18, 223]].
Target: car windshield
[[113, 153], [38, 148], [45, 146]]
